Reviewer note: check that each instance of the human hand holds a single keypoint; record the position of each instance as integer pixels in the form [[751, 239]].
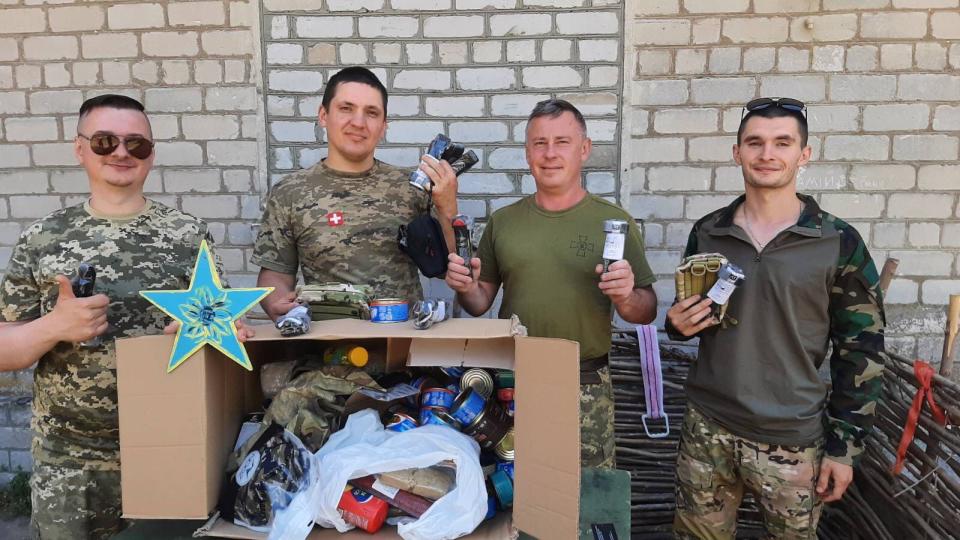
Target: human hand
[[691, 315]]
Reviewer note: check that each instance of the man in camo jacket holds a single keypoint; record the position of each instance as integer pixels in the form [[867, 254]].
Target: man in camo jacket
[[134, 244], [759, 417], [337, 221]]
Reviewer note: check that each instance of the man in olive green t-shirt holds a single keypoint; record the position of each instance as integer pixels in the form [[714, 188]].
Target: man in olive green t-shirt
[[546, 251]]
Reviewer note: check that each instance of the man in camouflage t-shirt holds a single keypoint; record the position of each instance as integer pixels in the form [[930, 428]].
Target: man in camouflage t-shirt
[[134, 244], [337, 221]]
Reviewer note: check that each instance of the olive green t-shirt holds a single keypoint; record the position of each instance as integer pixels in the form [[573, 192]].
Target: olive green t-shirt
[[546, 262]]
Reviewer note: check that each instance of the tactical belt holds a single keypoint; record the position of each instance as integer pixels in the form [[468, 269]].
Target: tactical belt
[[590, 368]]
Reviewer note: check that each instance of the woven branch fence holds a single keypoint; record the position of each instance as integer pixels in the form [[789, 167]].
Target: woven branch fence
[[923, 502]]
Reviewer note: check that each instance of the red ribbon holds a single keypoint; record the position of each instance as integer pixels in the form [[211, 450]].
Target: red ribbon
[[924, 373]]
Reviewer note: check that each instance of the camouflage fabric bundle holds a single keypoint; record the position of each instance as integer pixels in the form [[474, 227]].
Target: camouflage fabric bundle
[[337, 301], [697, 274]]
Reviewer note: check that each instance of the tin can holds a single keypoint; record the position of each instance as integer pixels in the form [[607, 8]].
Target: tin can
[[503, 488], [510, 408], [505, 394], [420, 383], [401, 422], [389, 310], [437, 397], [467, 406], [504, 378], [454, 387], [480, 380], [454, 372], [362, 509], [437, 416], [504, 448], [491, 507], [507, 467], [490, 426]]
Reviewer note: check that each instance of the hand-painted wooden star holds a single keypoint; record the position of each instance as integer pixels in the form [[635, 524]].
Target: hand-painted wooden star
[[207, 313]]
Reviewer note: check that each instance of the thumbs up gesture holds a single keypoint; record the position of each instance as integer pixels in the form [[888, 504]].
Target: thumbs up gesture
[[78, 319]]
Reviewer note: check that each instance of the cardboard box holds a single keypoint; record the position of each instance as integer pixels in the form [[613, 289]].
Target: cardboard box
[[177, 429]]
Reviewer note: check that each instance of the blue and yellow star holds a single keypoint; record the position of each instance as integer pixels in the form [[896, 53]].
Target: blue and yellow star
[[207, 313]]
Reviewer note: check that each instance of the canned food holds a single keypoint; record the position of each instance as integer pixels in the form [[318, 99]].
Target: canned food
[[437, 397], [510, 409], [480, 380], [420, 383], [454, 372], [401, 422], [503, 488], [362, 509], [507, 467], [389, 310], [437, 416], [504, 378], [505, 394], [454, 387], [467, 406], [504, 449], [490, 426]]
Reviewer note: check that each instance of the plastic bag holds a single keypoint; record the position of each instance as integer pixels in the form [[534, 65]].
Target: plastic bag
[[363, 447]]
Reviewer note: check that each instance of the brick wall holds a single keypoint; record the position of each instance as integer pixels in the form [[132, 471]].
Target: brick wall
[[882, 84], [194, 64]]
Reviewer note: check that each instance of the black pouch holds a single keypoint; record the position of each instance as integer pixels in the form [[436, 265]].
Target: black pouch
[[422, 239]]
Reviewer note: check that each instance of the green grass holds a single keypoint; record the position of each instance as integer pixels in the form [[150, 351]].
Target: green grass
[[15, 497]]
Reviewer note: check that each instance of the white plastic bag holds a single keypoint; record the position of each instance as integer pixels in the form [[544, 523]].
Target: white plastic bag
[[362, 448]]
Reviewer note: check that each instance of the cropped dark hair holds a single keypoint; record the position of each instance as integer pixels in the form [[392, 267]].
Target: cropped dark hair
[[554, 108], [356, 74], [776, 112], [110, 101]]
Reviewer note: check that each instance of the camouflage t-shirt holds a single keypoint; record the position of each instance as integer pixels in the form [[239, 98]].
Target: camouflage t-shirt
[[342, 227], [75, 389]]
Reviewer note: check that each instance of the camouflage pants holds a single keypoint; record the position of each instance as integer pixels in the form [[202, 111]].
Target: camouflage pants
[[596, 423], [74, 504], [713, 469]]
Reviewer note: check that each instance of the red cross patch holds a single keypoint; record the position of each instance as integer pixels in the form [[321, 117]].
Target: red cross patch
[[335, 219]]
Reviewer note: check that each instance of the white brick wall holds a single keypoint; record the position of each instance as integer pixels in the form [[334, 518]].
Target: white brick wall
[[882, 89]]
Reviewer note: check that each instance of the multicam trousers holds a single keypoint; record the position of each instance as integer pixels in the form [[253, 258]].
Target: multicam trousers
[[596, 423], [713, 469], [73, 504]]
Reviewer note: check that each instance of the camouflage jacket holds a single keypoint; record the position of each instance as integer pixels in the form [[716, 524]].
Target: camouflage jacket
[[342, 227], [75, 393], [811, 286]]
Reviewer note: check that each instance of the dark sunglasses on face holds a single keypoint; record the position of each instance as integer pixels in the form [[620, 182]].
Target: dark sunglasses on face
[[103, 144], [789, 104]]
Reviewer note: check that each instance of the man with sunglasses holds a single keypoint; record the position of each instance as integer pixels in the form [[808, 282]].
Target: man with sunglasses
[[134, 244], [337, 221], [759, 416]]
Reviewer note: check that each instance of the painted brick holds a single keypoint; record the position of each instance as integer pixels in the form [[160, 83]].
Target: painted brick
[[759, 60], [899, 177], [31, 129], [657, 7], [280, 106], [231, 99], [604, 22], [657, 150], [279, 27], [923, 263], [8, 50], [397, 106], [853, 205], [901, 291], [650, 61], [662, 32], [807, 88], [232, 153], [938, 177], [292, 5], [658, 92], [727, 90], [173, 99], [292, 131], [452, 52], [520, 25], [786, 6], [558, 50], [925, 147], [601, 182], [711, 6], [296, 81], [322, 53], [507, 158], [686, 121], [679, 179], [706, 31], [211, 206], [169, 44], [422, 80], [602, 76], [900, 117], [514, 104], [485, 79], [725, 60], [76, 18], [479, 183], [386, 53], [21, 183], [602, 130], [896, 56], [284, 53], [919, 206], [109, 45], [756, 30], [23, 21], [824, 27], [461, 26], [712, 148], [860, 88], [227, 42], [419, 53], [135, 16], [202, 13], [32, 206], [388, 26], [210, 127], [938, 291], [951, 235], [889, 235], [178, 153], [353, 54], [174, 71], [521, 50], [551, 77], [644, 206], [697, 206], [486, 4], [55, 101], [863, 58], [487, 51], [792, 59], [402, 131], [893, 25], [329, 27], [191, 180], [235, 71], [826, 118], [598, 50], [354, 5], [828, 58], [422, 5], [56, 75], [945, 25], [924, 235], [470, 106], [931, 56], [820, 177], [929, 87], [28, 76], [857, 147]]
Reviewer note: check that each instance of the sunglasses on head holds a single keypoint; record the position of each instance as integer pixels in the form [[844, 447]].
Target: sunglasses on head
[[103, 144], [788, 104]]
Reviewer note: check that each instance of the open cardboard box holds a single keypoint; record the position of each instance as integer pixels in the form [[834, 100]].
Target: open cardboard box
[[177, 429]]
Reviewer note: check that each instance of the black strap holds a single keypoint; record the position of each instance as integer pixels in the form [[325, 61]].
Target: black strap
[[590, 369], [604, 531]]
